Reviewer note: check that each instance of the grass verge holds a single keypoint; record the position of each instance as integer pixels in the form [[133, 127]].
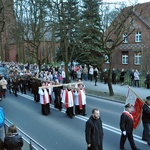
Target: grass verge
[[106, 95]]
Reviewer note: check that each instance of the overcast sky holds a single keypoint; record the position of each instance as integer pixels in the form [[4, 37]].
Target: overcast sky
[[129, 2]]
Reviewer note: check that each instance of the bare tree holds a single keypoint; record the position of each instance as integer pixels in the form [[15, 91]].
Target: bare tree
[[34, 25], [2, 17], [112, 35], [7, 28]]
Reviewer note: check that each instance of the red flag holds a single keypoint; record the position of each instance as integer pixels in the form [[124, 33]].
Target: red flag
[[137, 104]]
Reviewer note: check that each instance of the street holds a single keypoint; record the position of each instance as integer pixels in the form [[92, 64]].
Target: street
[[57, 131]]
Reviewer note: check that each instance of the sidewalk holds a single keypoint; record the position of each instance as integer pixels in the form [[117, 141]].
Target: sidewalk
[[117, 88]]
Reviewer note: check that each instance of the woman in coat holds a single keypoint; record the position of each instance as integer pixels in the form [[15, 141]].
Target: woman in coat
[[3, 82], [13, 141]]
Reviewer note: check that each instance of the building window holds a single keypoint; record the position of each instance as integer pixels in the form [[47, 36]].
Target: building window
[[137, 58], [125, 58], [138, 37], [106, 59], [125, 38]]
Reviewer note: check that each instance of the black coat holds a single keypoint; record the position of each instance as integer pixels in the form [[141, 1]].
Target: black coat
[[146, 113], [15, 84], [126, 123], [35, 84], [94, 133], [95, 74], [14, 142]]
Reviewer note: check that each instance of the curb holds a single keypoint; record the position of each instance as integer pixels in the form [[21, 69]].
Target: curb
[[104, 98]]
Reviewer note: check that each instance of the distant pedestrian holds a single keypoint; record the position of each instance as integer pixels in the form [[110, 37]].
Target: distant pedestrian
[[105, 74], [85, 73], [126, 126], [3, 82], [146, 121], [147, 80], [136, 78], [91, 71], [122, 74], [15, 85], [94, 131], [95, 75], [13, 140], [79, 74], [101, 76], [81, 69], [63, 73], [10, 83], [114, 76], [132, 77]]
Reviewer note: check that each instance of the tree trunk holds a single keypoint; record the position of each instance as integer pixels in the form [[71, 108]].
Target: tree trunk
[[66, 71], [111, 92]]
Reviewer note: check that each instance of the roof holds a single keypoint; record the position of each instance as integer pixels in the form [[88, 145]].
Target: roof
[[141, 11], [126, 21]]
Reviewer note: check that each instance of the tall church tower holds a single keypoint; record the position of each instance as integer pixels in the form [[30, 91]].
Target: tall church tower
[[8, 44]]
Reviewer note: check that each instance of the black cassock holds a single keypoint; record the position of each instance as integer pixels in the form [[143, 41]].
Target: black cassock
[[45, 109], [57, 101]]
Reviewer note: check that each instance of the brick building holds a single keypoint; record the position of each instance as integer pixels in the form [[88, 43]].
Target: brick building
[[134, 51], [12, 50], [8, 50]]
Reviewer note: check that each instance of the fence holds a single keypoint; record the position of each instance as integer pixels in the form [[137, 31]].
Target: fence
[[29, 143]]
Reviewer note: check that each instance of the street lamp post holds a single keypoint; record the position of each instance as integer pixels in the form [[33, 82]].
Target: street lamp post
[[109, 43]]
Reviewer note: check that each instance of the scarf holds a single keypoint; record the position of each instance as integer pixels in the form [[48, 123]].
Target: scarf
[[128, 114]]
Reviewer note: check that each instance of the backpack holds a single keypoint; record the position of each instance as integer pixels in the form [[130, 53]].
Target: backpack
[[2, 117]]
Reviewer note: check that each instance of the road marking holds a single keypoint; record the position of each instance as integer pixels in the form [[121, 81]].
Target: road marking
[[84, 118]]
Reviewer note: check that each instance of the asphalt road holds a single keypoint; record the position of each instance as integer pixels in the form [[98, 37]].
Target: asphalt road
[[58, 132]]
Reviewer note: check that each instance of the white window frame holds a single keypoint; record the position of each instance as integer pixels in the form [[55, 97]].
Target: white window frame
[[125, 38], [125, 58], [137, 58], [106, 59], [138, 37]]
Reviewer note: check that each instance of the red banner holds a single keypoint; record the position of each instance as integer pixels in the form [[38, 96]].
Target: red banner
[[137, 112], [137, 104]]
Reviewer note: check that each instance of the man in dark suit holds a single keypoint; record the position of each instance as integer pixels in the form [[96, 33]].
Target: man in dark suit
[[126, 126], [146, 121], [94, 131]]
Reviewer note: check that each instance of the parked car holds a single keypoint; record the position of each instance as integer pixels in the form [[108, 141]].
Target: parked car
[[4, 72]]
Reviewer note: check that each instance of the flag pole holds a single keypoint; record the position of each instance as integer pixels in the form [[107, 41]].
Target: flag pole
[[136, 94]]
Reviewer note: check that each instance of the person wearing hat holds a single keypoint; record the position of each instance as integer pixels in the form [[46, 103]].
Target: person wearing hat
[[126, 126], [146, 121]]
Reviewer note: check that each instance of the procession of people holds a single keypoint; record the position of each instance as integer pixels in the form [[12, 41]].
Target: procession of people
[[46, 85], [49, 86]]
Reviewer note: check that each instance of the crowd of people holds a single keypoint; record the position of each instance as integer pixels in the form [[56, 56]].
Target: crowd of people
[[118, 76], [46, 85], [50, 83]]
